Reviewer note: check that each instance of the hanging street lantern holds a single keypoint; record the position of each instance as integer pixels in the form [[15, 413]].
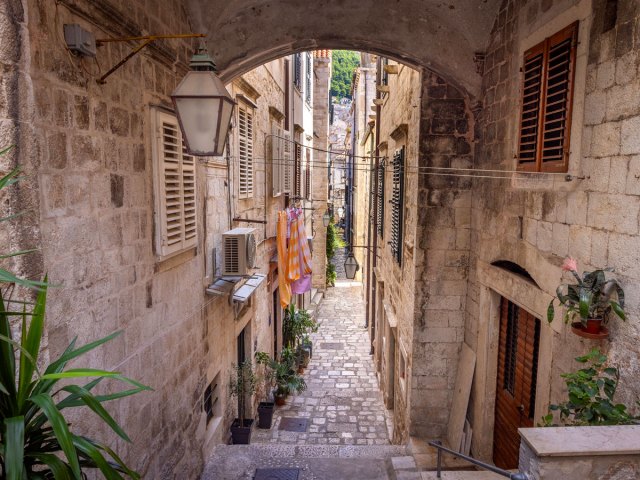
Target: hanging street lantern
[[203, 106], [326, 219], [351, 266]]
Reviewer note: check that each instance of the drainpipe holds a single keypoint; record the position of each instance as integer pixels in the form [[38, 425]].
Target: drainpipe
[[374, 285], [368, 276]]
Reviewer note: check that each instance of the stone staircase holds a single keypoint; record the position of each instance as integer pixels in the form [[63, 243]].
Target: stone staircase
[[316, 462], [417, 461]]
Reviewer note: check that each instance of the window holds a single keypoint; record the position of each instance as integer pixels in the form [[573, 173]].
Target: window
[[174, 188], [547, 94], [297, 70], [287, 163], [309, 69], [397, 205], [307, 176], [380, 199], [211, 401], [384, 79], [297, 170], [245, 150], [277, 154]]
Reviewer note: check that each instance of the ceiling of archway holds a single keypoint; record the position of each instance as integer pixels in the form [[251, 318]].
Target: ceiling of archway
[[441, 35]]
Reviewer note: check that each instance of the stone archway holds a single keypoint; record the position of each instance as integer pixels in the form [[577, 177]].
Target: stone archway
[[442, 37]]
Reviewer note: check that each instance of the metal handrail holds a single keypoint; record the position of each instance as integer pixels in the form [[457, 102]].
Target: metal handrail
[[486, 466]]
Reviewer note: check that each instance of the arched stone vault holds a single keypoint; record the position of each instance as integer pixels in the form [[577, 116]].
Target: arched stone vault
[[440, 36]]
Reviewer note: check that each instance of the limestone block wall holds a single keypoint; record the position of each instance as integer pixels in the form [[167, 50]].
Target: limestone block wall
[[536, 223], [442, 252], [320, 179], [86, 151], [400, 125]]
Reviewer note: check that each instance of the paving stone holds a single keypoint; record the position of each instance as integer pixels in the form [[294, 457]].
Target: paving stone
[[343, 400]]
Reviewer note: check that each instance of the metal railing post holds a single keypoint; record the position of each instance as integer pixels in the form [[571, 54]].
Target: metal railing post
[[485, 466]]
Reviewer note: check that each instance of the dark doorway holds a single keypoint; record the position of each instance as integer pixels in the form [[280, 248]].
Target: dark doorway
[[516, 383], [242, 357]]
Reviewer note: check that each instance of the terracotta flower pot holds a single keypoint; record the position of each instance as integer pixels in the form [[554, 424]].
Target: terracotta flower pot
[[594, 325], [280, 398]]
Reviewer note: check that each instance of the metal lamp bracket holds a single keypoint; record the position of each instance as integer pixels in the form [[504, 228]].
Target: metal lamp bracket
[[145, 40]]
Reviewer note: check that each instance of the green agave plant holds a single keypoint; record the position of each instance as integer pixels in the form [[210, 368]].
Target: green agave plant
[[36, 441], [33, 430]]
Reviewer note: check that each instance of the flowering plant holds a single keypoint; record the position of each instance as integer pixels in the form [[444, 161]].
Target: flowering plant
[[590, 298]]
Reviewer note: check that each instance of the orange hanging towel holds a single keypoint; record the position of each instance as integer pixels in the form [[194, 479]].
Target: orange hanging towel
[[281, 241]]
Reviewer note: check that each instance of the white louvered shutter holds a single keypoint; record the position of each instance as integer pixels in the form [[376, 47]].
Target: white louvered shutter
[[175, 188], [245, 151], [276, 160], [287, 164]]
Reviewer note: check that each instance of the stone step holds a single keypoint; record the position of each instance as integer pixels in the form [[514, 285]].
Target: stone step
[[357, 462], [461, 475], [277, 450]]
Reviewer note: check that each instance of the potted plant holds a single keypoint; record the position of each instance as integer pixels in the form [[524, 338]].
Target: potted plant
[[590, 300], [265, 408], [591, 391], [242, 385], [283, 375]]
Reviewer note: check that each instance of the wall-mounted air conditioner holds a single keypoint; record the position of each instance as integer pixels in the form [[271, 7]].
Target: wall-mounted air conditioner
[[238, 251]]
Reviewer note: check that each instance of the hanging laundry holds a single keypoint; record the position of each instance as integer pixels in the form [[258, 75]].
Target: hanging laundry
[[281, 240], [293, 260], [303, 283]]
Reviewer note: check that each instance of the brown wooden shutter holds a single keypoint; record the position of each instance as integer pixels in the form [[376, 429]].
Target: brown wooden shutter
[[547, 94], [531, 101], [556, 119]]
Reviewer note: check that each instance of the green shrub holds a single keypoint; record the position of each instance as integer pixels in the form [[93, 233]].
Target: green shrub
[[591, 391], [331, 274]]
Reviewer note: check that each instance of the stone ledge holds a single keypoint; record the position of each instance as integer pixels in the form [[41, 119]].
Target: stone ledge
[[583, 441]]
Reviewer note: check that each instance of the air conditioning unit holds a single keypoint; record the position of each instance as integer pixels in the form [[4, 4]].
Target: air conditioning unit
[[238, 251]]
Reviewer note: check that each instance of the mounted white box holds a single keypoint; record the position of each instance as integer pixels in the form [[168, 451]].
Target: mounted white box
[[238, 251]]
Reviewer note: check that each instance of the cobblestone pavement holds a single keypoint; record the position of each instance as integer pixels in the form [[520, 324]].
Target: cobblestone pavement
[[343, 403], [338, 262]]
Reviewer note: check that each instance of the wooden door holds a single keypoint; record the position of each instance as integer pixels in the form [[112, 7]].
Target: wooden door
[[516, 382]]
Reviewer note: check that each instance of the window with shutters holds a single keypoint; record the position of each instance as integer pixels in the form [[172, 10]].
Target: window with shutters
[[308, 71], [397, 205], [380, 199], [297, 71], [245, 150], [307, 175], [547, 93], [287, 163], [277, 155], [174, 188], [297, 170]]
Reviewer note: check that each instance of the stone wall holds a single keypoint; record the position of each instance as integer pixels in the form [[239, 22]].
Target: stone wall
[[589, 453], [87, 155], [442, 252], [399, 126], [535, 223], [320, 180]]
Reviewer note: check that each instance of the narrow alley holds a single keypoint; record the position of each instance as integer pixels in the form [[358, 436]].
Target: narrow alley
[[343, 404], [341, 415]]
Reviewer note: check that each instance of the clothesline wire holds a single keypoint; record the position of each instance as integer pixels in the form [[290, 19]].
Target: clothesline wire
[[419, 170], [385, 157]]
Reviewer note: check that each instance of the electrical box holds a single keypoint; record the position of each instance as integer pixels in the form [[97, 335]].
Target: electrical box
[[79, 40]]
